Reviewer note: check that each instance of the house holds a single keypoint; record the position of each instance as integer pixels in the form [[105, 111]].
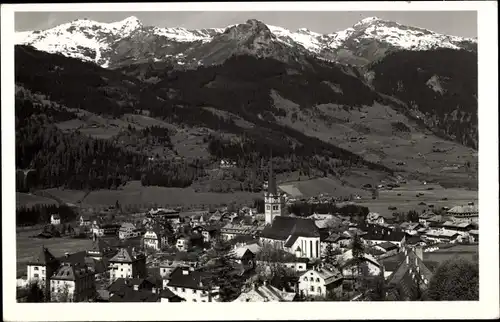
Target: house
[[155, 239], [231, 231], [337, 240], [351, 269], [460, 227], [375, 218], [85, 220], [128, 230], [173, 216], [265, 293], [440, 236], [410, 227], [411, 278], [293, 235], [127, 263], [245, 257], [133, 290], [182, 243], [321, 282], [101, 249], [208, 232], [469, 213], [41, 268], [190, 285], [378, 235], [167, 295], [435, 221], [72, 282], [168, 266], [424, 217], [101, 229], [55, 219]]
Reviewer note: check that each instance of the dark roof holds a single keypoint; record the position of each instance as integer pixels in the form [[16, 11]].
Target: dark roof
[[407, 279], [374, 232], [291, 240], [413, 239], [388, 246], [283, 226], [191, 279], [130, 295], [74, 258], [168, 294], [45, 257]]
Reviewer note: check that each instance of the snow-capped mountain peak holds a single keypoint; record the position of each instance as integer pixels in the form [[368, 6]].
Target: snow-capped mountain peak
[[367, 21], [127, 40]]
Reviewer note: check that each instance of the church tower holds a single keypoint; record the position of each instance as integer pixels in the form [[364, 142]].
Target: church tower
[[274, 202]]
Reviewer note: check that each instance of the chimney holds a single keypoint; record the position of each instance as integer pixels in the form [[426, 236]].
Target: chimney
[[66, 255], [136, 287]]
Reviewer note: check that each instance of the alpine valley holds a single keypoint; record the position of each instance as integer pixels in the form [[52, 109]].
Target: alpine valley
[[100, 105]]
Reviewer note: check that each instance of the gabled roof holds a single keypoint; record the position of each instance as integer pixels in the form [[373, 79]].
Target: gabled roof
[[184, 277], [411, 275], [469, 209], [168, 294], [44, 257], [124, 255], [374, 232], [71, 272], [284, 226]]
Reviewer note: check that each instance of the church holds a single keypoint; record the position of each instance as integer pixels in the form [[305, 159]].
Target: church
[[298, 236]]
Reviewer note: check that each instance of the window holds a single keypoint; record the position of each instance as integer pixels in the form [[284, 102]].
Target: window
[[36, 268], [275, 207], [203, 292], [312, 288], [317, 280], [183, 289], [53, 288], [305, 279], [194, 291], [36, 275], [175, 288], [194, 300], [122, 269], [268, 207], [203, 300]]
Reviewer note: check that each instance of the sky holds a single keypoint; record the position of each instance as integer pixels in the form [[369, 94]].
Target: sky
[[457, 23]]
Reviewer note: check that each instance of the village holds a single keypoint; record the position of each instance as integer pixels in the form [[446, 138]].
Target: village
[[247, 255]]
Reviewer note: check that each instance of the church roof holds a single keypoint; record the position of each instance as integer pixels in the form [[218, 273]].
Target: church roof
[[282, 227]]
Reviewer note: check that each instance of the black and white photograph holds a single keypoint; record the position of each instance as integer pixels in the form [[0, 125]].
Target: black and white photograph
[[224, 155]]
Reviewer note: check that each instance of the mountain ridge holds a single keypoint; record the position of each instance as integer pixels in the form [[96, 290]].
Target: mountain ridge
[[110, 44]]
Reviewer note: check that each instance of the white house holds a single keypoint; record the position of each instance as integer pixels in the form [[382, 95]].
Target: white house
[[182, 244], [155, 239], [320, 281], [73, 283], [127, 263], [55, 219], [375, 218], [190, 286], [127, 231], [40, 269]]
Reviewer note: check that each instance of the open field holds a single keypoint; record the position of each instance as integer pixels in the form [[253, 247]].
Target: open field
[[313, 187], [29, 200], [408, 199], [368, 131], [135, 194], [28, 248]]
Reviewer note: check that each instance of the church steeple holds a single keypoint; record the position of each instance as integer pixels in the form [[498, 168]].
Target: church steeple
[[274, 202], [271, 183]]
